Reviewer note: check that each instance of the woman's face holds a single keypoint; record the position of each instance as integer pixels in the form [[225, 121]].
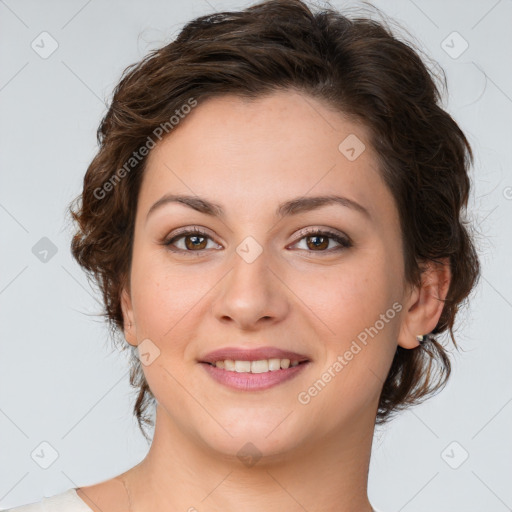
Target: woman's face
[[257, 276]]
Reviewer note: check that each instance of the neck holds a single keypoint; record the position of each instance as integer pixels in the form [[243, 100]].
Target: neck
[[179, 473]]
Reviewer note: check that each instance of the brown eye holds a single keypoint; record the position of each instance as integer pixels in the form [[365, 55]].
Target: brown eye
[[318, 241], [193, 241]]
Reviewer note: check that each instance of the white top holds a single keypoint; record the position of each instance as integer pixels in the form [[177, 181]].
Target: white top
[[68, 501]]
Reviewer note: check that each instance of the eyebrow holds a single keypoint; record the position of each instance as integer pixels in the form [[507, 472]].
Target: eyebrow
[[291, 207]]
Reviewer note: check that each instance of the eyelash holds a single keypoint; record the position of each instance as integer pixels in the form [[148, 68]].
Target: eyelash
[[344, 242]]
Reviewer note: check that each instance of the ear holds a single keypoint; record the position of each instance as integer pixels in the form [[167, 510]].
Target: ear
[[425, 303], [129, 328]]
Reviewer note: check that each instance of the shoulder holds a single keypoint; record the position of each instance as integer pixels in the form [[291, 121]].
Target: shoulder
[[67, 501]]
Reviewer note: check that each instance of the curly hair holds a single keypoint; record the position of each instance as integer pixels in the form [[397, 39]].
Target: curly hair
[[357, 67]]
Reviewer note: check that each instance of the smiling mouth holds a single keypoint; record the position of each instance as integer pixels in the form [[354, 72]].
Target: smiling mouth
[[258, 366]]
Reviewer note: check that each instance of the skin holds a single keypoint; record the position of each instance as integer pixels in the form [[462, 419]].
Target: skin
[[249, 156]]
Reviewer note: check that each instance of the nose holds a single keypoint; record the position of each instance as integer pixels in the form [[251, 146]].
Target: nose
[[252, 294]]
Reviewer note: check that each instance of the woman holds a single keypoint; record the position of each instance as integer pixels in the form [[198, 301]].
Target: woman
[[276, 219]]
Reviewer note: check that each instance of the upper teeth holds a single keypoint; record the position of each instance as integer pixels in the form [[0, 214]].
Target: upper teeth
[[261, 366]]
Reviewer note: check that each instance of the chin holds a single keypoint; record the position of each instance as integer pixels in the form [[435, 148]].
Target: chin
[[253, 437]]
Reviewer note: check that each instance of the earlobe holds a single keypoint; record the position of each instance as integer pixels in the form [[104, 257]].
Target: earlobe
[[425, 304], [129, 323]]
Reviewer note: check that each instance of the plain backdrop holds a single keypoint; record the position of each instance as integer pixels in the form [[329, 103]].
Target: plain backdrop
[[65, 393]]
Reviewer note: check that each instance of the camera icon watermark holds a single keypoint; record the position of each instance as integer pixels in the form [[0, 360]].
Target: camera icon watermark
[[249, 249], [454, 45], [249, 455], [351, 147], [44, 45], [148, 352], [454, 455], [44, 455], [44, 250]]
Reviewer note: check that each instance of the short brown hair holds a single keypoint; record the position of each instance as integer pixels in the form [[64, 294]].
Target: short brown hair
[[356, 66]]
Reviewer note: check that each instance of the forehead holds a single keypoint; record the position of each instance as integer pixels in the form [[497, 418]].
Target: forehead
[[242, 152]]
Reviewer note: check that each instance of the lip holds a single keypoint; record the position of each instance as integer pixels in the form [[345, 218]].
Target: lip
[[246, 381], [255, 354]]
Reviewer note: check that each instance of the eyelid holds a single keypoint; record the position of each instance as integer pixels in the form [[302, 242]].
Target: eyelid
[[343, 241], [324, 230], [186, 231]]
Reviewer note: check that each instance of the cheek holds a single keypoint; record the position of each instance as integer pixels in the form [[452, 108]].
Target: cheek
[[356, 315], [167, 298], [351, 296]]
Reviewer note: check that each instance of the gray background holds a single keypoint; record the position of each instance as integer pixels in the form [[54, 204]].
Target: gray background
[[61, 383]]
